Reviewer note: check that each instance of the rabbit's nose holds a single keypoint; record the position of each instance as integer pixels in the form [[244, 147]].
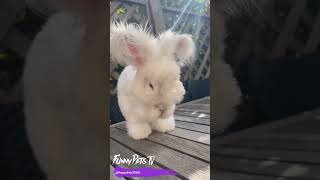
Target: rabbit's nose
[[161, 106]]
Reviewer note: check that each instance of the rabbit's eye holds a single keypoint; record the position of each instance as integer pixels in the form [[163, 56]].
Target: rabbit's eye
[[151, 86]]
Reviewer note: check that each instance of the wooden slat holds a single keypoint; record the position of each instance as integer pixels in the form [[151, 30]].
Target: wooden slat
[[204, 103], [208, 73], [294, 133], [193, 127], [149, 18], [200, 23], [192, 114], [287, 34], [206, 111], [301, 137], [188, 28], [182, 133], [205, 100], [124, 152], [191, 135], [192, 15], [280, 155], [186, 25], [261, 130], [273, 150], [300, 127], [192, 167], [204, 121], [157, 16], [189, 147], [187, 73], [226, 175], [273, 168], [195, 106], [204, 41], [274, 144], [203, 61], [203, 64]]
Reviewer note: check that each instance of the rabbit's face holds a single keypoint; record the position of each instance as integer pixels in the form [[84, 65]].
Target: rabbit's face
[[158, 82]]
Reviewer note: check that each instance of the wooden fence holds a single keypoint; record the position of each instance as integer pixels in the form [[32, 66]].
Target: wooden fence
[[162, 17], [286, 28]]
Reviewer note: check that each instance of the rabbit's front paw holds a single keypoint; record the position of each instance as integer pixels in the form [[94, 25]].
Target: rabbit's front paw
[[164, 125], [156, 112], [167, 112], [139, 131]]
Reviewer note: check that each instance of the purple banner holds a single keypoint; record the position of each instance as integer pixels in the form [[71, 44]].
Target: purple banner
[[141, 172]]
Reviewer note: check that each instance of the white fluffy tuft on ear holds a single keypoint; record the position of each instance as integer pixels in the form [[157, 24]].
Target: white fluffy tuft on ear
[[180, 45], [185, 48], [130, 44]]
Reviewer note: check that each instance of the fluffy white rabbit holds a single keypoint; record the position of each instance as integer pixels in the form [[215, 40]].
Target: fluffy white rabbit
[[65, 94], [149, 87]]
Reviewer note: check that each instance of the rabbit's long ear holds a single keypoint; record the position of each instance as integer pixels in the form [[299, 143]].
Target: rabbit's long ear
[[180, 45], [130, 44]]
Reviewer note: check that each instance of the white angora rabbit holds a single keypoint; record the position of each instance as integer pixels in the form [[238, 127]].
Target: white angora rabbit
[[65, 94], [149, 87]]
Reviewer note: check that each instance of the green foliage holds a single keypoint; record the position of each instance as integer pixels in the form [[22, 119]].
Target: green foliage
[[3, 56], [121, 11]]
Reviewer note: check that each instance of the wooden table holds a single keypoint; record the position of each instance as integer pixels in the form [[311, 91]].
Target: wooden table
[[185, 150], [281, 150]]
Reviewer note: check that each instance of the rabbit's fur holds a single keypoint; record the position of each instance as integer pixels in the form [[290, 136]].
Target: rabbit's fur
[[149, 87], [65, 95]]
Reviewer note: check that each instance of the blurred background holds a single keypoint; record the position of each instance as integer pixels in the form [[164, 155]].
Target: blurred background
[[20, 21], [275, 55]]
